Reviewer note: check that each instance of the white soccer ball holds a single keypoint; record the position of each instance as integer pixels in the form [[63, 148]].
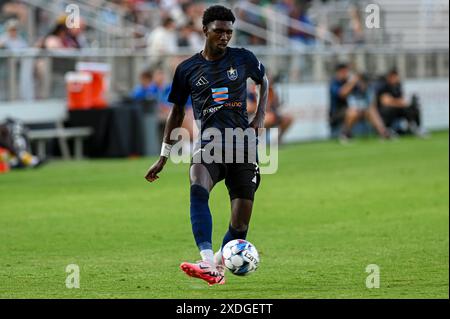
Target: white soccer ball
[[240, 257]]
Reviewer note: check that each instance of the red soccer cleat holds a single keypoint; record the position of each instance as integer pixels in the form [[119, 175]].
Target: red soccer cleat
[[205, 271]]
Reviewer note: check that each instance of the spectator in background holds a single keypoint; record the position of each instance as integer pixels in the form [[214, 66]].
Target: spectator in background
[[189, 38], [76, 38], [340, 87], [344, 115], [154, 87], [159, 90], [11, 40], [274, 117], [305, 35], [55, 39], [395, 109], [247, 15], [162, 40], [142, 91], [338, 32], [356, 25], [362, 105], [14, 138], [193, 11]]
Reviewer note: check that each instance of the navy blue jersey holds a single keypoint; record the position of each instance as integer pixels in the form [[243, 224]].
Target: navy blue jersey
[[218, 88]]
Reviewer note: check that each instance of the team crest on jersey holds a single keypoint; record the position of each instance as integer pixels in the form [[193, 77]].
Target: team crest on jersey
[[232, 74]]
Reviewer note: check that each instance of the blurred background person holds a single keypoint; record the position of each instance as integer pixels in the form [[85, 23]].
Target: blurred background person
[[14, 138], [362, 106], [352, 100], [189, 38], [341, 85], [142, 92], [154, 88], [159, 90], [395, 110], [76, 38], [11, 39], [162, 40], [55, 39], [299, 12], [247, 15]]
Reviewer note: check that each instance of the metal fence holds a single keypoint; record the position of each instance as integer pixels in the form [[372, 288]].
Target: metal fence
[[35, 74]]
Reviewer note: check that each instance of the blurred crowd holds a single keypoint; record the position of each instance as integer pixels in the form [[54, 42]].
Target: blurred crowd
[[356, 97], [169, 24]]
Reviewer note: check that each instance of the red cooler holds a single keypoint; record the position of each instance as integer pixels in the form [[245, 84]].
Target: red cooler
[[79, 90], [100, 81]]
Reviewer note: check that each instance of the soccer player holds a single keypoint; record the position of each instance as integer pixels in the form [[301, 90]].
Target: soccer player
[[216, 79]]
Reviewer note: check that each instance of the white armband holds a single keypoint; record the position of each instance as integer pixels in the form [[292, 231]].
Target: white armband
[[165, 149]]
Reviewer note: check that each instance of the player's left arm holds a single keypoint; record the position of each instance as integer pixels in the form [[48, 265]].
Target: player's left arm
[[256, 71], [262, 91]]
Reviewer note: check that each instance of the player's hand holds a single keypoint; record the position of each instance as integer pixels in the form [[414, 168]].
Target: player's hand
[[151, 175]]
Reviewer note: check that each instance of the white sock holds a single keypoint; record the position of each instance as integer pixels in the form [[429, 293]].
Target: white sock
[[208, 256], [218, 257]]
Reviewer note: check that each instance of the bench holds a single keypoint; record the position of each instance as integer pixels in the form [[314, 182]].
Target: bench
[[47, 112]]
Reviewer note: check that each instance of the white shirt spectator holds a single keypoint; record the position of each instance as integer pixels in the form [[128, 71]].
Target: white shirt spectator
[[163, 39], [11, 39]]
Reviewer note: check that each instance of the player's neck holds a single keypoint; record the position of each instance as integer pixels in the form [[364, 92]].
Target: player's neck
[[211, 55]]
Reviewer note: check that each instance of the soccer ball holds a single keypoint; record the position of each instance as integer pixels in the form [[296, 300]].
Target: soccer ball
[[240, 257]]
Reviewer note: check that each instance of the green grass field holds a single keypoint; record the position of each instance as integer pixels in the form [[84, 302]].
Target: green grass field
[[330, 211]]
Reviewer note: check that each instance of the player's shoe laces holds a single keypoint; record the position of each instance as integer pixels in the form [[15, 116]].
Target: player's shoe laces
[[204, 270]]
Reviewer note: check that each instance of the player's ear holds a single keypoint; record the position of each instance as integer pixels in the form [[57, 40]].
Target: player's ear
[[205, 30]]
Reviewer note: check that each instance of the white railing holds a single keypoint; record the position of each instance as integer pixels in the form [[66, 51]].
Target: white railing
[[403, 23], [278, 24], [32, 73]]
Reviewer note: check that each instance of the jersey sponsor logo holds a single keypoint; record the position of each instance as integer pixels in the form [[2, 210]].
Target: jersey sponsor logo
[[220, 95], [201, 81], [232, 74]]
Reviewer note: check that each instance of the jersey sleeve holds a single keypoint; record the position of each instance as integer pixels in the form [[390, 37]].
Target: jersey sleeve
[[180, 89], [255, 68]]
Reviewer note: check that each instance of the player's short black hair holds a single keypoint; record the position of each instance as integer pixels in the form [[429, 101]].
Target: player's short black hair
[[217, 12]]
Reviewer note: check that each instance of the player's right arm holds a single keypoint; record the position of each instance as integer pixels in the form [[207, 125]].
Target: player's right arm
[[174, 121]]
